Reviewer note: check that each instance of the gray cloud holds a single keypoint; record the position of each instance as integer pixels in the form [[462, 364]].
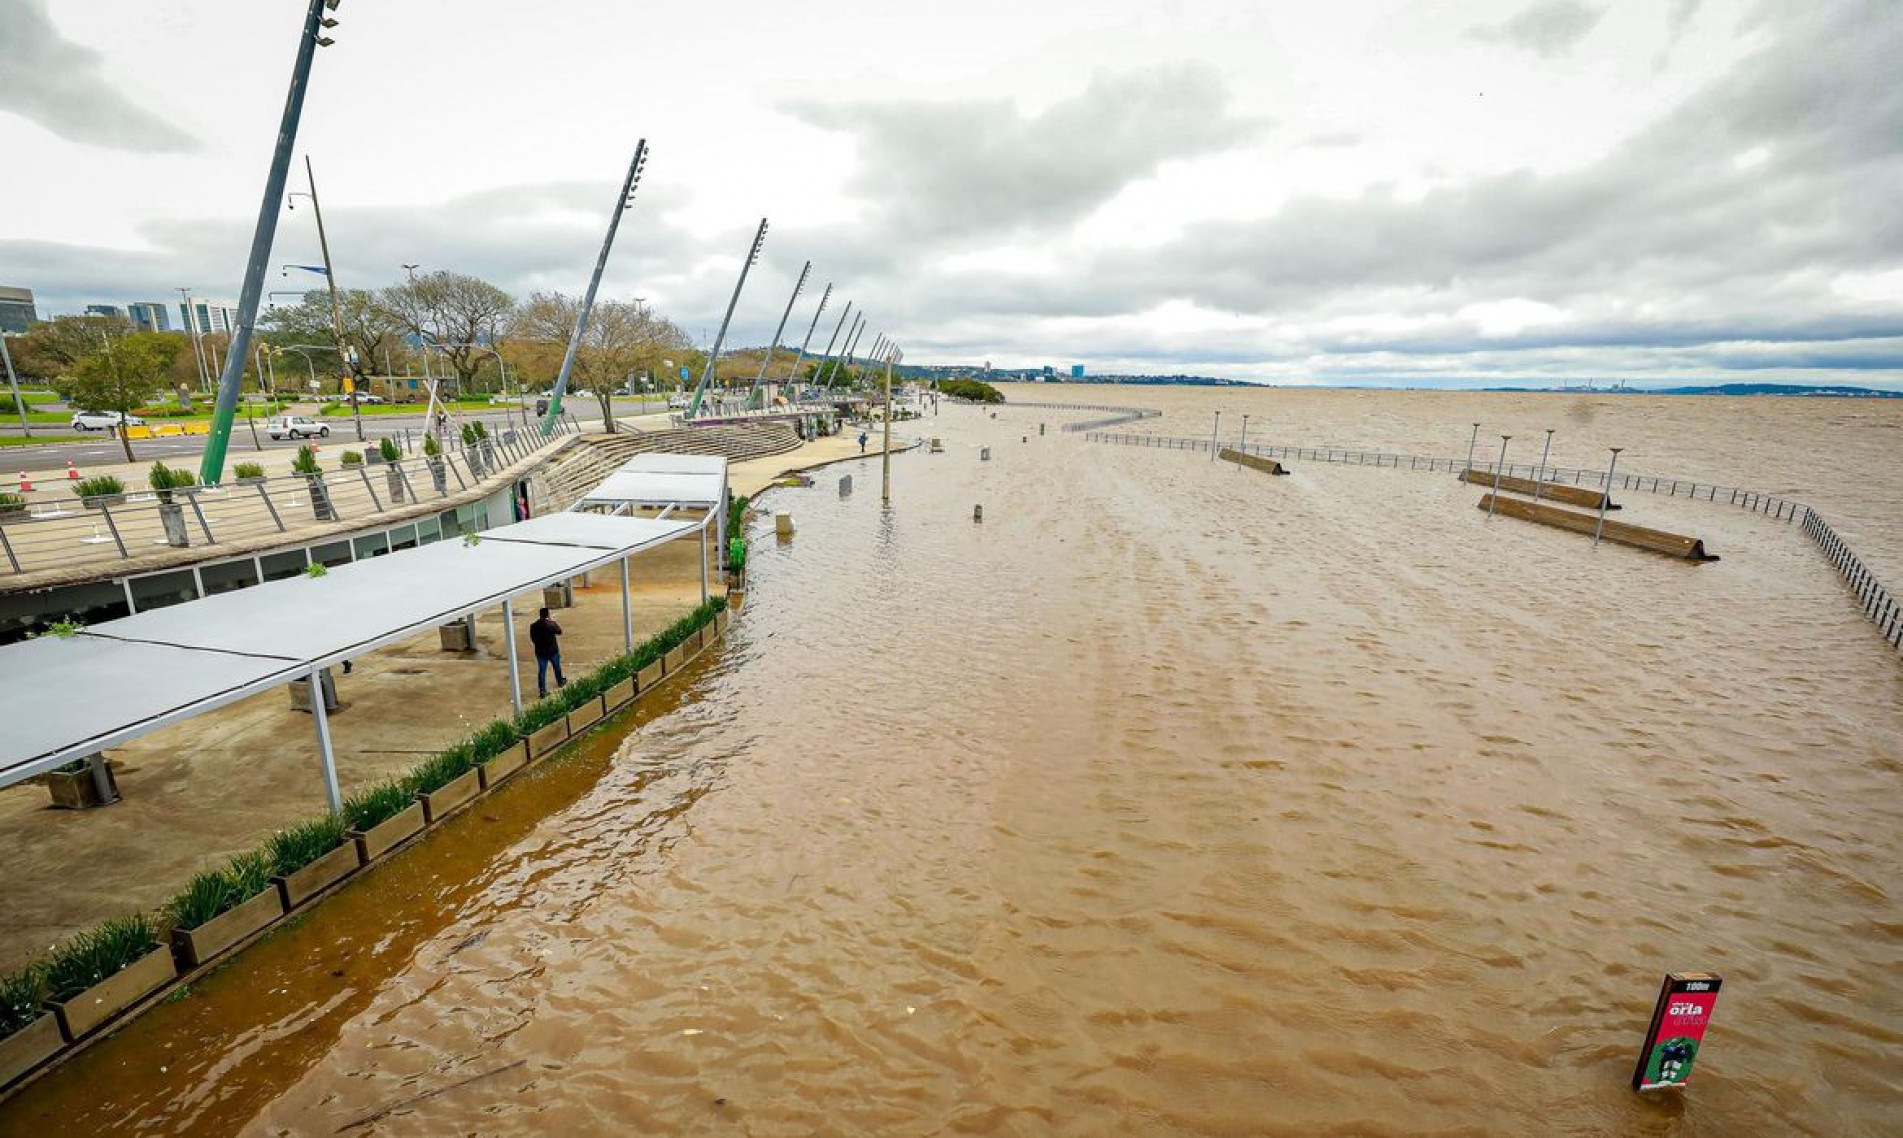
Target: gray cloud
[[1547, 28], [946, 170], [60, 85]]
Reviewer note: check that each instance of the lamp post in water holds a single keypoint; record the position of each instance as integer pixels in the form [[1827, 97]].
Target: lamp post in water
[[1539, 480], [1243, 444], [1495, 499], [1471, 443], [1215, 437], [1606, 498], [885, 460]]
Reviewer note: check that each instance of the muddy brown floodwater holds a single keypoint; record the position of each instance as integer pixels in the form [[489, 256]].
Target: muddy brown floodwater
[[1172, 798]]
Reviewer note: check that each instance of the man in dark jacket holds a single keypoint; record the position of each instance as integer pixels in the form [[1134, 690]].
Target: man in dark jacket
[[546, 636]]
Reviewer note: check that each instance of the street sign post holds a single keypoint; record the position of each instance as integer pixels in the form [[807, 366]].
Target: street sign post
[[1678, 1030]]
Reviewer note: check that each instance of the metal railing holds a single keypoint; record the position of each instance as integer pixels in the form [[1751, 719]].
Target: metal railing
[[65, 531], [1879, 604]]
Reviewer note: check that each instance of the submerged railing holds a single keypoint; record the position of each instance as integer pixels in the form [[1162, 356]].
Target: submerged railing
[[64, 531], [1879, 603]]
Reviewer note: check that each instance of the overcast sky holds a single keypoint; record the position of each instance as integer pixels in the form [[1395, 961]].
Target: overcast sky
[[1388, 191]]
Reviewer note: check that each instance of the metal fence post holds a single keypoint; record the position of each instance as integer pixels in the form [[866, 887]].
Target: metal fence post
[[197, 510], [106, 512], [269, 505], [8, 546]]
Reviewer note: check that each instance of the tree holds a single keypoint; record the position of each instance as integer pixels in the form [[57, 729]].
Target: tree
[[623, 337], [370, 331], [832, 373], [52, 349], [464, 314], [122, 377]]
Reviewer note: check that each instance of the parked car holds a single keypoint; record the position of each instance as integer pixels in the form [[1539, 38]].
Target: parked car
[[104, 420], [367, 399], [297, 427]]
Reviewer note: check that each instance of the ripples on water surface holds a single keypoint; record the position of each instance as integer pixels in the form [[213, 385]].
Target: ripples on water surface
[[1172, 798]]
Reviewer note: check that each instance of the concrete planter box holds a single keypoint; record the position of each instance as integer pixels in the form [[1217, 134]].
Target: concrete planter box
[[459, 790], [300, 886], [620, 695], [387, 834], [72, 791], [502, 766], [439, 475], [559, 596], [723, 618], [172, 517], [548, 738], [94, 501], [28, 1047], [394, 481], [99, 1003], [649, 676], [675, 660], [301, 692], [195, 946], [586, 716], [457, 637]]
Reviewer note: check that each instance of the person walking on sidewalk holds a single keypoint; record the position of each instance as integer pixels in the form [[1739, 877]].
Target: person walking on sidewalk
[[546, 636]]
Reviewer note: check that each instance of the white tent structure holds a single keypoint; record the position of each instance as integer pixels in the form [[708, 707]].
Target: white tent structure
[[167, 665], [666, 482]]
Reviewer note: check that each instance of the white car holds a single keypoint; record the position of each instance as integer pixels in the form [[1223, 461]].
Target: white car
[[104, 420], [368, 400], [297, 427]]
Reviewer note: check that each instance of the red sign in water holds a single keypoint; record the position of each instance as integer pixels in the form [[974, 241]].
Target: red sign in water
[[1678, 1030]]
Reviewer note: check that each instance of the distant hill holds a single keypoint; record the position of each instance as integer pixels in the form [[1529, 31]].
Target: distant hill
[[1796, 390]]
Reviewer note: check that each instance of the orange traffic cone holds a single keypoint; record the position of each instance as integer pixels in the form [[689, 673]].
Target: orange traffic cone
[[26, 484], [71, 474]]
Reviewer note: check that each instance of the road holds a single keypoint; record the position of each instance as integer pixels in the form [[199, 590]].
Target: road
[[103, 448]]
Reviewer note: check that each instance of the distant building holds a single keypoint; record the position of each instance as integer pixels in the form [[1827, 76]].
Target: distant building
[[17, 312], [105, 310], [208, 317], [1077, 371], [149, 316]]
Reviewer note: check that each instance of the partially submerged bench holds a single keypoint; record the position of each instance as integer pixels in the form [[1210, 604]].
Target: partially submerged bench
[[1571, 495], [1639, 537], [1253, 462]]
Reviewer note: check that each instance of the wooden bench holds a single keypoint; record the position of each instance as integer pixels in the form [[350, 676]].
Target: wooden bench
[[1253, 462], [1571, 495], [1639, 537]]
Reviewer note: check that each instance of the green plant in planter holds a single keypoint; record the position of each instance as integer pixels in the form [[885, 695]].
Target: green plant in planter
[[377, 804], [389, 450], [11, 503], [99, 952], [737, 553], [288, 851], [97, 485], [352, 458], [66, 630], [472, 540], [306, 461], [315, 570], [737, 513], [218, 891], [481, 431], [247, 470], [165, 480], [440, 769], [493, 740], [431, 447], [21, 994], [469, 434]]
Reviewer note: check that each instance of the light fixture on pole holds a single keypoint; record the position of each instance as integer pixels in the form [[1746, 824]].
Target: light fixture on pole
[[1502, 465], [1539, 479], [1606, 498], [1471, 443], [212, 466], [774, 345], [720, 338], [623, 202]]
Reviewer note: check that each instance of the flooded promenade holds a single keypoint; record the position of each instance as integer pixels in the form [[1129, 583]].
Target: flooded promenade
[[1171, 798]]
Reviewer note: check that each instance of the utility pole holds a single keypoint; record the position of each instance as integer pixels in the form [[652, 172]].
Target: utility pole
[[626, 199], [336, 306], [885, 485], [713, 357], [810, 329], [775, 345], [211, 469]]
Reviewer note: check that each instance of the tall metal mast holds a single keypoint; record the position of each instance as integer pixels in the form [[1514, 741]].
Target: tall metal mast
[[777, 332], [713, 357], [628, 185]]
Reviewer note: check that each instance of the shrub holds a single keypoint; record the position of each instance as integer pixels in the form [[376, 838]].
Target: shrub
[[21, 994], [306, 461], [431, 447], [440, 769], [481, 431], [248, 470], [972, 389], [493, 740], [737, 553], [98, 484], [288, 851], [737, 513], [97, 953], [389, 450], [469, 434], [165, 480], [376, 804], [352, 458], [218, 891], [11, 502]]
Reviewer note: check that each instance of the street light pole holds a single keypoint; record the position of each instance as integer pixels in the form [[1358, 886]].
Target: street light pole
[[1539, 480], [1215, 437], [1470, 448], [885, 459], [774, 346], [211, 468], [810, 329], [622, 202], [1606, 498], [713, 357], [1502, 465], [336, 306]]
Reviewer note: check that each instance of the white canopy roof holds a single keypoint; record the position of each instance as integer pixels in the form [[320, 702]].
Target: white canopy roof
[[693, 481], [120, 679]]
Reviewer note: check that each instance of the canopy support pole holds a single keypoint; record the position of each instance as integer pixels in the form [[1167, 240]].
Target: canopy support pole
[[322, 718], [515, 667], [703, 562], [627, 610]]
